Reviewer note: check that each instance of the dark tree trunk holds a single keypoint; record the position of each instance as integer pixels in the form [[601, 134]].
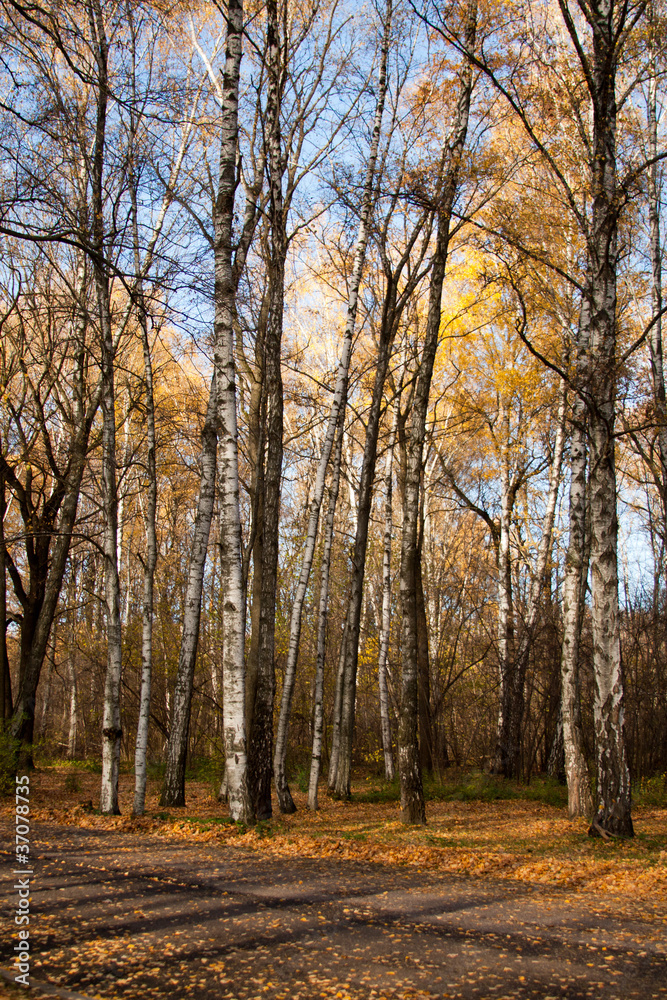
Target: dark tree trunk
[[285, 801], [367, 479], [260, 737], [5, 677], [413, 809]]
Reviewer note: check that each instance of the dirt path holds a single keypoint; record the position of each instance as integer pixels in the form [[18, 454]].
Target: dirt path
[[121, 915]]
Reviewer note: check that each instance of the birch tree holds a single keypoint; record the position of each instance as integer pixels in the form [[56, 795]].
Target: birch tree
[[231, 570]]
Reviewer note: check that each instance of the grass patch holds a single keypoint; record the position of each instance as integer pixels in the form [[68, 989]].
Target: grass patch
[[651, 791], [208, 769], [472, 786], [301, 778], [389, 791]]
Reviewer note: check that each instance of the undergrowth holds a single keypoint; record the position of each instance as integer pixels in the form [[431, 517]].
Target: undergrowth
[[472, 786]]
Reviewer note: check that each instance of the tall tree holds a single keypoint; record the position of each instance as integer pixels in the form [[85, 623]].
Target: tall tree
[[231, 569], [409, 765], [226, 92], [609, 23], [261, 727]]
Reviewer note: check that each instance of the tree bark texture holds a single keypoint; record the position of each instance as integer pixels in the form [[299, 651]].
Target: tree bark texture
[[579, 798], [5, 677], [231, 568], [260, 736], [656, 347], [606, 21], [424, 667], [111, 723], [141, 747], [336, 715], [506, 755]]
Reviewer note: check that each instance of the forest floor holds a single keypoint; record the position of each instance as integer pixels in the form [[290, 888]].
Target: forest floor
[[496, 899]]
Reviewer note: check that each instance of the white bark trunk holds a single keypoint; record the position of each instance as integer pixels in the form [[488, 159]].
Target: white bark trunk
[[580, 802], [225, 370], [111, 725], [614, 804], [149, 575], [337, 708], [73, 706]]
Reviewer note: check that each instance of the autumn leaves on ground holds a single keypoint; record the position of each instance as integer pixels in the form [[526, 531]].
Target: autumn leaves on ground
[[495, 897], [514, 838]]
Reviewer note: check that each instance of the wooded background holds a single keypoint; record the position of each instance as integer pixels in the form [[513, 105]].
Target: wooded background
[[333, 425]]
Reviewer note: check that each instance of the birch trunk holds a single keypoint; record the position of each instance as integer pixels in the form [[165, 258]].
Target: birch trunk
[[173, 792], [141, 747], [424, 667], [579, 799], [285, 801], [231, 567], [111, 723], [318, 713], [413, 809], [256, 419], [613, 807], [337, 709], [71, 664], [73, 706], [141, 744], [46, 691]]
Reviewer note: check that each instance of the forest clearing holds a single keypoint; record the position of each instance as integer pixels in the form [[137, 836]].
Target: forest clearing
[[500, 898]]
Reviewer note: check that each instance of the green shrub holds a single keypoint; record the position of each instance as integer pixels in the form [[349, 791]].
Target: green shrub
[[301, 779]]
